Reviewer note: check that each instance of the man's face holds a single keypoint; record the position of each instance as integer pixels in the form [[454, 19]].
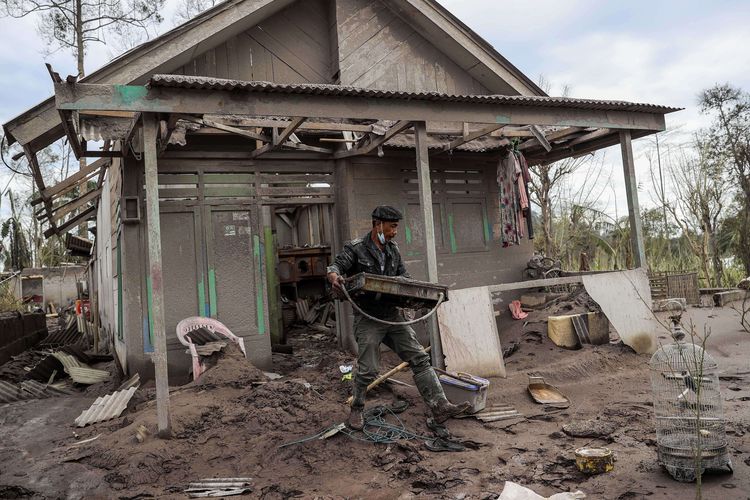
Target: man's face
[[389, 229]]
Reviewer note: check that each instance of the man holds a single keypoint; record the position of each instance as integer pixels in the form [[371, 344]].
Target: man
[[377, 253]]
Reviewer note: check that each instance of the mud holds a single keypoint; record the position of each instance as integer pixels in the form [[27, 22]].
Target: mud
[[232, 422]]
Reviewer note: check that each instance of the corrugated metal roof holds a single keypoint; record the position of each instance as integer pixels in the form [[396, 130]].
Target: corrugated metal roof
[[106, 407], [68, 361], [10, 392], [207, 83], [28, 389], [87, 376], [70, 335], [210, 348]]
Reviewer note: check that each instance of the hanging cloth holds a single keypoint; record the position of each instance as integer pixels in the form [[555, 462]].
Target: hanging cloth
[[506, 172]]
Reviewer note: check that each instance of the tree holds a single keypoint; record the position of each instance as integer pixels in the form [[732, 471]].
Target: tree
[[188, 9], [74, 24], [545, 179], [695, 201], [729, 139], [15, 247]]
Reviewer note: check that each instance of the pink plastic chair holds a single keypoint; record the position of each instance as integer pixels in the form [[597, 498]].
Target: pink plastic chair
[[188, 325]]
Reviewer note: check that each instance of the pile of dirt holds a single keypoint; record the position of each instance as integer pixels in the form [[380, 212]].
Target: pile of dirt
[[229, 367]]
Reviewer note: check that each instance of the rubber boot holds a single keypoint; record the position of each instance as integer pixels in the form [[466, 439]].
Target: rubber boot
[[356, 419], [432, 392]]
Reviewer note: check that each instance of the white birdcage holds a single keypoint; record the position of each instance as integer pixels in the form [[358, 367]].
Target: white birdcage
[[688, 407]]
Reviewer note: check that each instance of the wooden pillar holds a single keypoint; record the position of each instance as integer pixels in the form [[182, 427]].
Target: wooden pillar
[[155, 279], [634, 211], [430, 254]]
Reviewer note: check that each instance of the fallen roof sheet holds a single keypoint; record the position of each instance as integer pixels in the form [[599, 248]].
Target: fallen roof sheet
[[69, 335], [209, 83], [88, 376], [28, 389], [133, 381], [106, 407], [210, 348], [68, 361]]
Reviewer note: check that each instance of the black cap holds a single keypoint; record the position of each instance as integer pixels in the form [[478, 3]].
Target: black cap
[[387, 214]]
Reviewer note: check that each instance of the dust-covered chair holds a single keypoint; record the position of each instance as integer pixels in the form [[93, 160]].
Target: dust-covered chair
[[204, 336]]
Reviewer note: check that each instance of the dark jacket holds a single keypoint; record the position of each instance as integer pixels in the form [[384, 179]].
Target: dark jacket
[[363, 256]]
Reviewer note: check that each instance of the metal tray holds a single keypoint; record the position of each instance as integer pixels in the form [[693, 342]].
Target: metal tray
[[407, 292]]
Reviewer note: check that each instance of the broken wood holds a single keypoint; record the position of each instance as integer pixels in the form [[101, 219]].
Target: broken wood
[[376, 141], [385, 377], [468, 137]]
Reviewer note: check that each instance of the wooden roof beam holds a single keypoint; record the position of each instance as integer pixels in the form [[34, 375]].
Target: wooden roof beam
[[376, 141], [73, 205], [229, 102], [71, 182], [71, 223], [468, 137], [282, 136]]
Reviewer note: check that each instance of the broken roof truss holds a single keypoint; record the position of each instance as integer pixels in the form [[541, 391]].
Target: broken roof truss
[[274, 117]]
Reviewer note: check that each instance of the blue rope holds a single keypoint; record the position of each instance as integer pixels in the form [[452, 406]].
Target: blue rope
[[376, 429]]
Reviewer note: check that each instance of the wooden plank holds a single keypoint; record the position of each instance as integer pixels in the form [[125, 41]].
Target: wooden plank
[[631, 191], [72, 205], [72, 223], [596, 134], [36, 173], [470, 136], [376, 141], [521, 285], [289, 57], [156, 280], [539, 135], [288, 130], [72, 180], [428, 225], [227, 128], [469, 333]]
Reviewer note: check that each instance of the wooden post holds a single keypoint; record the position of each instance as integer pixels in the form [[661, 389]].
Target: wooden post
[[634, 211], [155, 281], [430, 254]]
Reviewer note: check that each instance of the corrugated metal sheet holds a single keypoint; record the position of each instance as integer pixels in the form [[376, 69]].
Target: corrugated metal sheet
[[10, 392], [207, 83], [106, 407], [28, 389], [204, 336], [210, 348], [87, 376], [70, 335], [133, 381], [68, 361]]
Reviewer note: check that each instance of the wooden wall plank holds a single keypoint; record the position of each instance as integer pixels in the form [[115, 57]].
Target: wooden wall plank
[[377, 49]]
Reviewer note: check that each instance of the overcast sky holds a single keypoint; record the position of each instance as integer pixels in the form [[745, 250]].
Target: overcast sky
[[656, 51]]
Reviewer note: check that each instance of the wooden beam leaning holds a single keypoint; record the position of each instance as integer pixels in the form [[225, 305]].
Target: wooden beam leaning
[[72, 205], [631, 189], [72, 181], [552, 136], [377, 141], [71, 223], [539, 136], [425, 203], [288, 131], [470, 136], [155, 279], [231, 102], [226, 128], [36, 172]]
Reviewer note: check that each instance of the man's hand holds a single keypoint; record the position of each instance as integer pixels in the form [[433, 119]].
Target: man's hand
[[337, 282]]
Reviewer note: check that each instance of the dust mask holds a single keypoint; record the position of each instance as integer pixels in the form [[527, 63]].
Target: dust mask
[[381, 236]]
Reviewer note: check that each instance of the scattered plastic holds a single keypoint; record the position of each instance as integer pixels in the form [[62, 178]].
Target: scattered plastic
[[514, 491]]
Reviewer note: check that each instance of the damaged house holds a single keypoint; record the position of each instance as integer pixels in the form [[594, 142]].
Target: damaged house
[[263, 132]]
